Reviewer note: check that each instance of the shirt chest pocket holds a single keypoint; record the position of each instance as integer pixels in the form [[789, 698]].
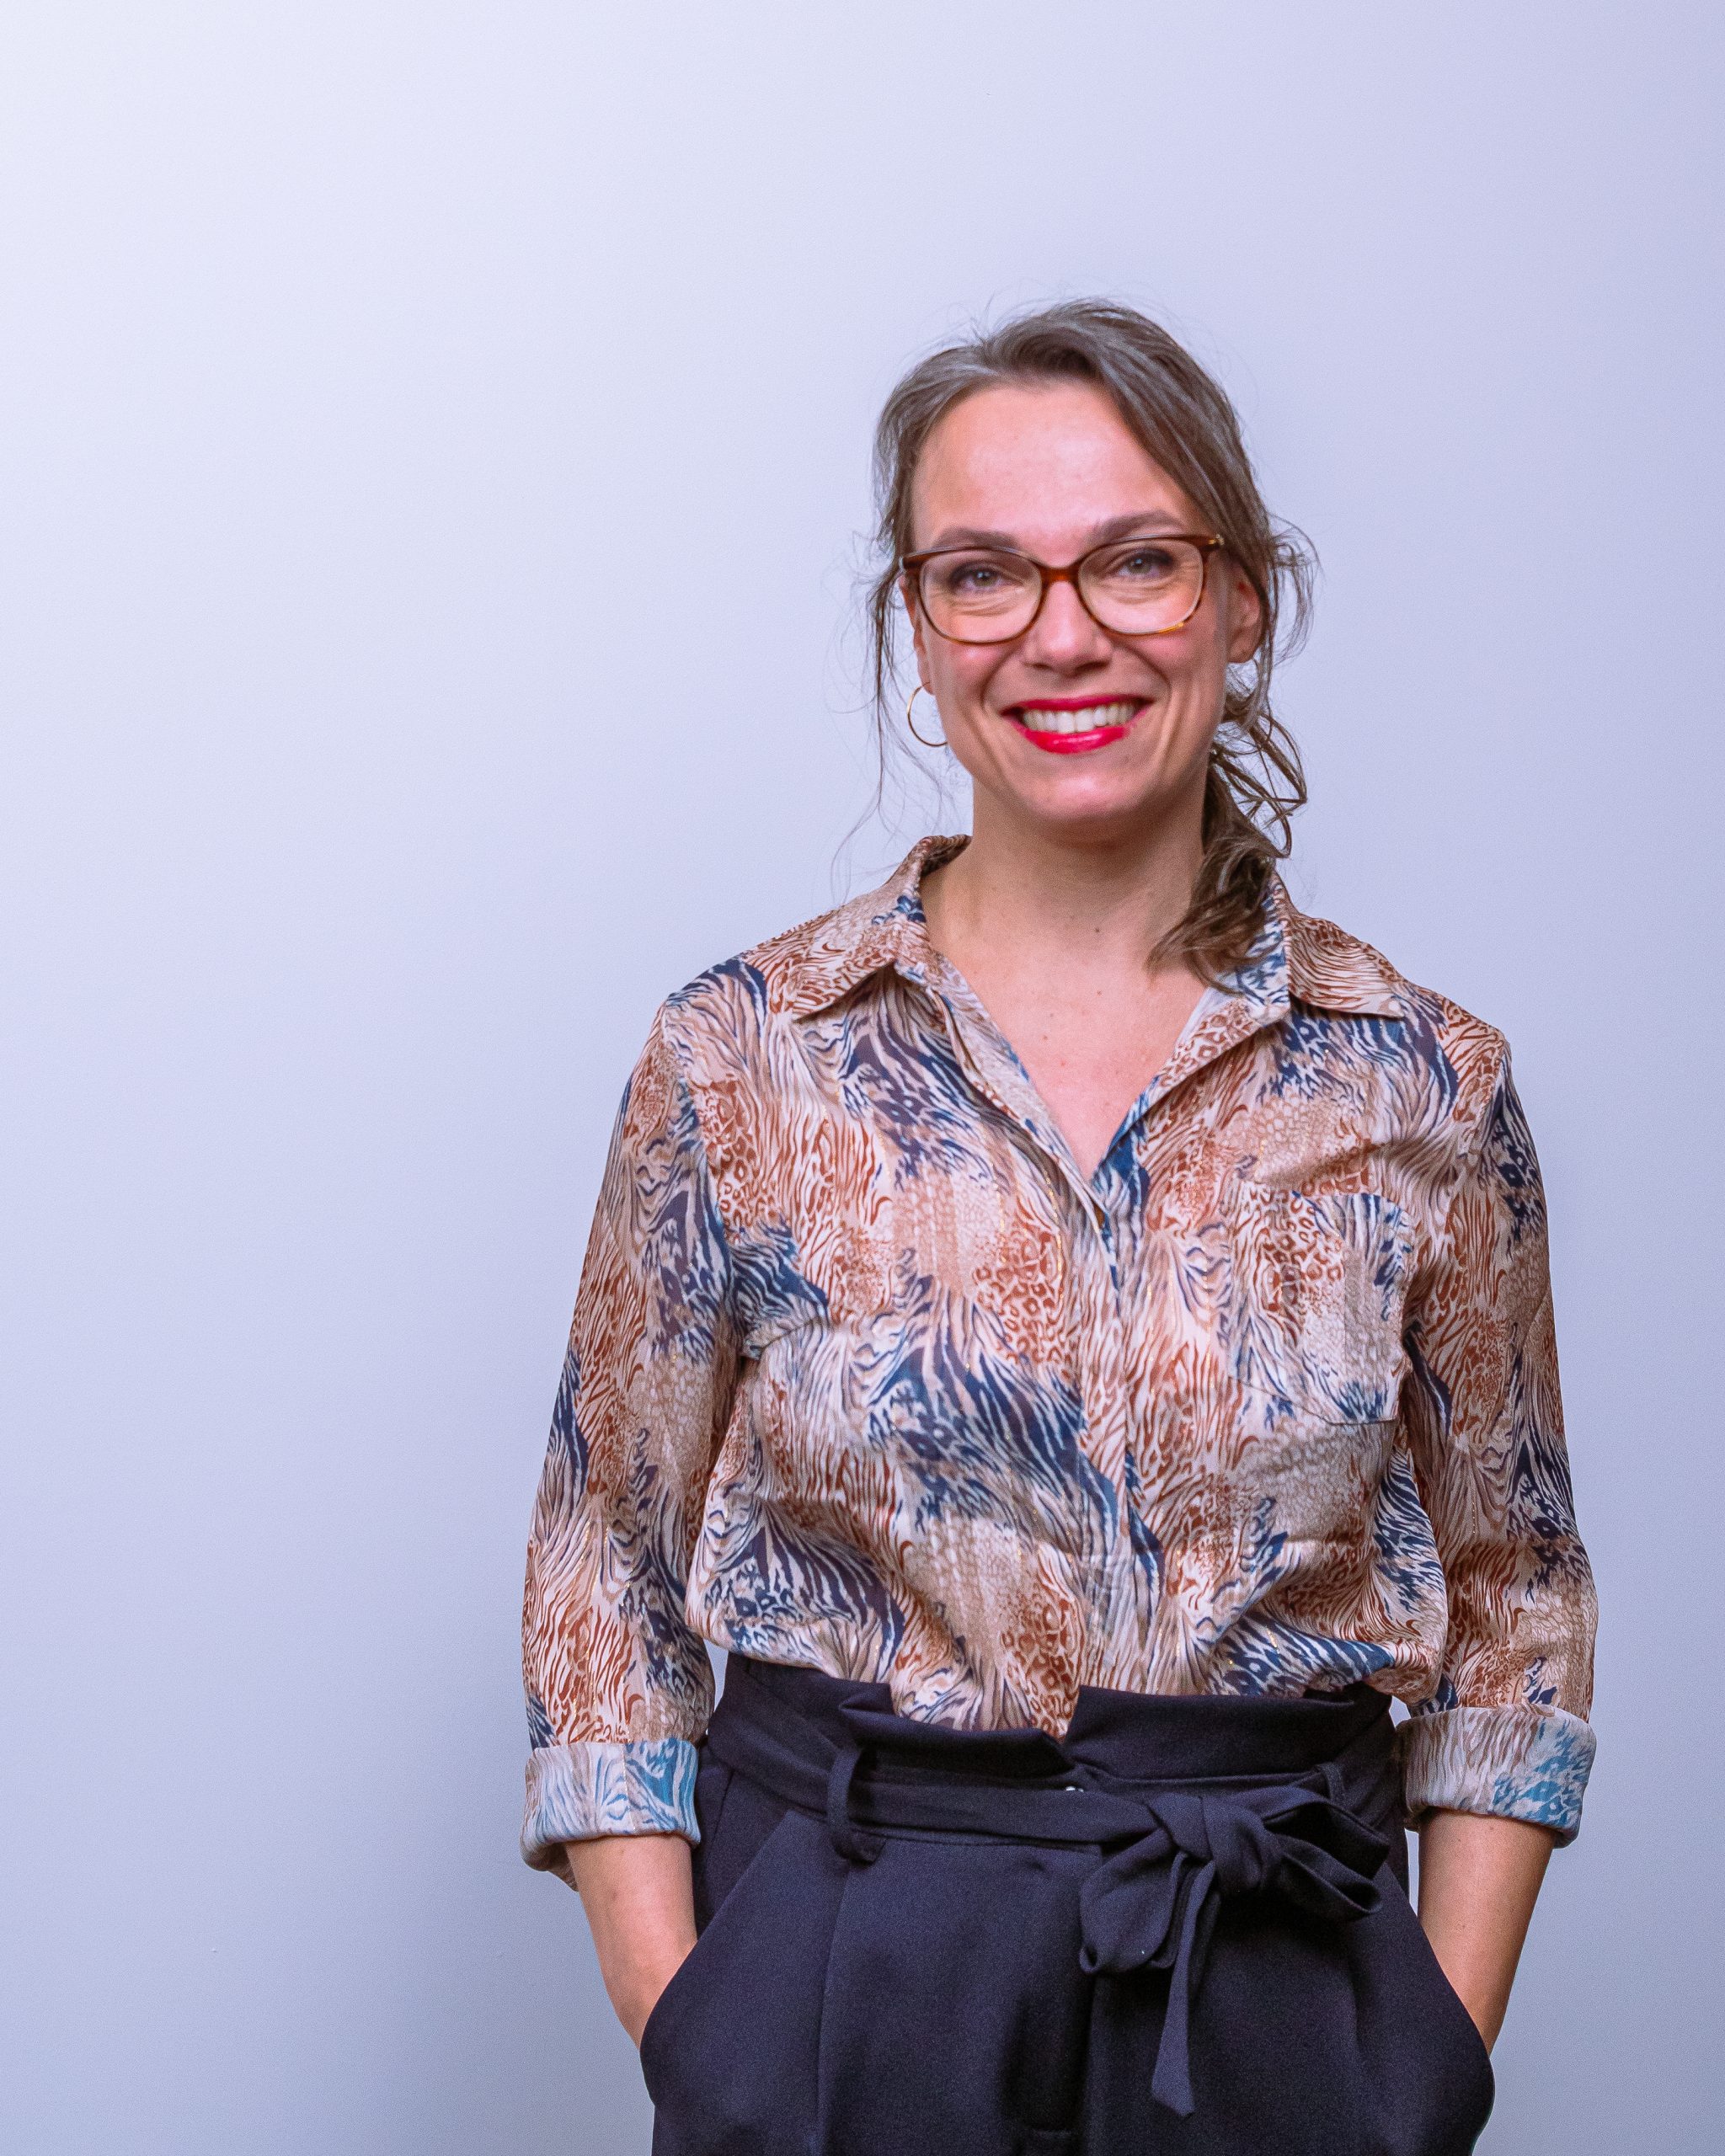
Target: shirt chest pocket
[[1310, 1297]]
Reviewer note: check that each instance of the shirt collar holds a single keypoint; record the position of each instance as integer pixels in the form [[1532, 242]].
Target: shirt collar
[[1296, 959], [1328, 969], [882, 929]]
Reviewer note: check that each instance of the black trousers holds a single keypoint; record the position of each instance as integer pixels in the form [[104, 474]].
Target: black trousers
[[1184, 1928]]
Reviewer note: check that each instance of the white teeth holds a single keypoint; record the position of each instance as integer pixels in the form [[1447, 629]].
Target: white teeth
[[1080, 721]]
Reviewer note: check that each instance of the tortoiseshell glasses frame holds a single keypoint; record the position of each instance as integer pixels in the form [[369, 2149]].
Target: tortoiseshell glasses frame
[[914, 568]]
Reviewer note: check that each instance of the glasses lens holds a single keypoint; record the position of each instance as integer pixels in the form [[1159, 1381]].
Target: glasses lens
[[981, 594], [1143, 584]]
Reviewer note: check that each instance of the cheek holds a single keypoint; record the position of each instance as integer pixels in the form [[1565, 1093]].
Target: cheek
[[959, 675], [1197, 672]]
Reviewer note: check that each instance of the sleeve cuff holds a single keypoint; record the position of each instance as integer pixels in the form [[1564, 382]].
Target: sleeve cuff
[[577, 1791], [1509, 1762]]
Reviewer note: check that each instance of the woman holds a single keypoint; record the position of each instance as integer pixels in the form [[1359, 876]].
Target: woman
[[1077, 1332]]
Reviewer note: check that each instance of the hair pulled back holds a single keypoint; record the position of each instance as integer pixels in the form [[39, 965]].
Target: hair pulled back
[[1185, 421]]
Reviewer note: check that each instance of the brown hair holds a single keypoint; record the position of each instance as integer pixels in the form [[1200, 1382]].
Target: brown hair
[[1185, 421]]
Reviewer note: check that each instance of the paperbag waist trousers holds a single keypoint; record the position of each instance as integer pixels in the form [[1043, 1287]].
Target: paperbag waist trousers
[[1182, 1927]]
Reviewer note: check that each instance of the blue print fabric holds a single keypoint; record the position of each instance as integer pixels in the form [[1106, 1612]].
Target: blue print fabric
[[867, 1378]]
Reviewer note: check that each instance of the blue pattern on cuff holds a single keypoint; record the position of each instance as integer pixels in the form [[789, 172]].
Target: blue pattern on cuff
[[576, 1792]]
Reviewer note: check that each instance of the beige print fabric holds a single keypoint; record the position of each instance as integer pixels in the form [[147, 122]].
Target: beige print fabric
[[865, 1375]]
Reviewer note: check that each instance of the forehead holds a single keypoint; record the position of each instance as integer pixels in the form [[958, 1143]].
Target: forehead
[[1043, 461]]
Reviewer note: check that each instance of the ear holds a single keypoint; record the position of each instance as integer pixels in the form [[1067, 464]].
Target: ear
[[919, 637], [1245, 617]]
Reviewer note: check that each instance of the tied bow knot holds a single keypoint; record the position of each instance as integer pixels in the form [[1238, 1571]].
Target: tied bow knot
[[1154, 1903]]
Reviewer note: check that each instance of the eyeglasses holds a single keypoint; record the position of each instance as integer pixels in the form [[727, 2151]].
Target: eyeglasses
[[1130, 587]]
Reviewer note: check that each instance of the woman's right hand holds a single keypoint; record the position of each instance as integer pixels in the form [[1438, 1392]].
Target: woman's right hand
[[638, 1892]]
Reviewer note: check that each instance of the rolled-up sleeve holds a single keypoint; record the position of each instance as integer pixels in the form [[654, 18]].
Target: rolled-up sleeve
[[1505, 1733], [618, 1685]]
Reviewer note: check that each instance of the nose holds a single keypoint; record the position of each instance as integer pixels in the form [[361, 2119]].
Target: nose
[[1063, 636]]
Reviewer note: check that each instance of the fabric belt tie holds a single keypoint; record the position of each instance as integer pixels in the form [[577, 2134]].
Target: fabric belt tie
[[1174, 1856], [1154, 1903]]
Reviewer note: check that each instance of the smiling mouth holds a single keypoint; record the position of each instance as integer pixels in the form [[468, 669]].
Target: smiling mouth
[[1074, 725]]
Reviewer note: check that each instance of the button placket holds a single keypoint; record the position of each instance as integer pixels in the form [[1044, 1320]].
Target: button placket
[[1115, 1594], [1118, 1605]]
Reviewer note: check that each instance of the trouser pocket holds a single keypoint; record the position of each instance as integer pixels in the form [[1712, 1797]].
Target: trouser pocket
[[729, 2052], [1430, 2074], [928, 2003]]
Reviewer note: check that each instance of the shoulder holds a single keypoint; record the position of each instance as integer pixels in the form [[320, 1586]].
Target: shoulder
[[1420, 1034], [727, 1015]]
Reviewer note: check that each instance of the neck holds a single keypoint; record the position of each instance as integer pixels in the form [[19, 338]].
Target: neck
[[1050, 898]]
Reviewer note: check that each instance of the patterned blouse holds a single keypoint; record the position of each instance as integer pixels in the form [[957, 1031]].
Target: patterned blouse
[[866, 1375]]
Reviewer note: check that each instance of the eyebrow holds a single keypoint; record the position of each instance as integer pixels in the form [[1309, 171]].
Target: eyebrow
[[1144, 521]]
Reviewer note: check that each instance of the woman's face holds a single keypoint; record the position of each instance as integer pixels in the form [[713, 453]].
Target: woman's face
[[1052, 471]]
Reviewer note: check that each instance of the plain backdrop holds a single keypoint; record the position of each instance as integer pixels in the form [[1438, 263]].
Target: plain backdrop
[[435, 467]]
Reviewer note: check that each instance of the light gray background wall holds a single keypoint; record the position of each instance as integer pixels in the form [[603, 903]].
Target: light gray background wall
[[434, 437]]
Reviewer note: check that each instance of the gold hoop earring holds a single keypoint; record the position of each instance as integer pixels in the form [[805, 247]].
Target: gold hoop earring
[[919, 691]]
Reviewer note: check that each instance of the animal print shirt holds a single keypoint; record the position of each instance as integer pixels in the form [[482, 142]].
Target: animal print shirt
[[866, 1375]]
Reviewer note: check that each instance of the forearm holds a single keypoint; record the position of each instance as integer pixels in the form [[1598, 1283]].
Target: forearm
[[1479, 1879], [639, 1893]]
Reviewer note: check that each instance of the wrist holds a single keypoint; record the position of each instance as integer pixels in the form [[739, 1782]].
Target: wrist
[[639, 1987]]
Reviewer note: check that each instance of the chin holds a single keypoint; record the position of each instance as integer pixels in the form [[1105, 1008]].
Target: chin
[[1086, 806]]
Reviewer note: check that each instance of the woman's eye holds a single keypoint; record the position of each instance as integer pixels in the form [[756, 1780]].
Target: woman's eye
[[978, 577], [1143, 562], [980, 583]]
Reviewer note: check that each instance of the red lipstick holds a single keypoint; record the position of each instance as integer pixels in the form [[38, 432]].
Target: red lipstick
[[1074, 745], [1116, 713]]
